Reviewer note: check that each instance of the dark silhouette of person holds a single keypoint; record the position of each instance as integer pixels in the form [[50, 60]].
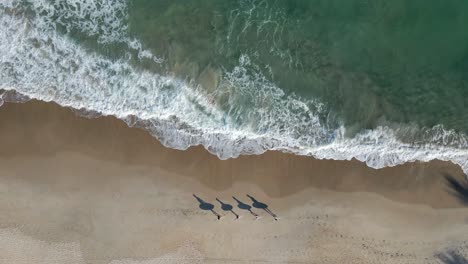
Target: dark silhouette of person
[[260, 205], [207, 206], [244, 206], [227, 207]]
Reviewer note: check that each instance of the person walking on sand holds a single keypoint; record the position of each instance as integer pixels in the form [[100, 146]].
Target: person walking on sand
[[260, 205], [207, 206], [244, 206], [227, 207]]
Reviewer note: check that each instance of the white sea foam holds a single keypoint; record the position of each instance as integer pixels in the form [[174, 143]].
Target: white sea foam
[[105, 20], [38, 62]]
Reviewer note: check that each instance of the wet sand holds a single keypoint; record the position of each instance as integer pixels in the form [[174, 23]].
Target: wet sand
[[78, 190]]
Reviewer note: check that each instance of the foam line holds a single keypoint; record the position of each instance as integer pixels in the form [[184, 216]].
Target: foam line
[[38, 62]]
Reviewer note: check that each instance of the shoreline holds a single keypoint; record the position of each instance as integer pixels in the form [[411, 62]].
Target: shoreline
[[110, 138], [78, 190]]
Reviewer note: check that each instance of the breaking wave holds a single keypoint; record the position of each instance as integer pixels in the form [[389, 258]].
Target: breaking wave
[[245, 114]]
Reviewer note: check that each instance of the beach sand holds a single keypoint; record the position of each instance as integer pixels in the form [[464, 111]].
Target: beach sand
[[78, 190]]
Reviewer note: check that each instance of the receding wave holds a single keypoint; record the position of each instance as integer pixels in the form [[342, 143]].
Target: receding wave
[[245, 114]]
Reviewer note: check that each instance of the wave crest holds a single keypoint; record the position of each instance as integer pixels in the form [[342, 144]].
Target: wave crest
[[245, 114]]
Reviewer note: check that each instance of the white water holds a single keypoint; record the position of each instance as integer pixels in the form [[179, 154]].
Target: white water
[[39, 63]]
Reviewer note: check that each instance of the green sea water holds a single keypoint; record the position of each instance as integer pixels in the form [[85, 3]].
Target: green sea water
[[369, 61]]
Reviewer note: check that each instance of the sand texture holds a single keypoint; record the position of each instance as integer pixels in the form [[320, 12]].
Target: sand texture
[[78, 190]]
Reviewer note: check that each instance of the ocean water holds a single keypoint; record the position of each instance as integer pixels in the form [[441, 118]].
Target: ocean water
[[385, 82]]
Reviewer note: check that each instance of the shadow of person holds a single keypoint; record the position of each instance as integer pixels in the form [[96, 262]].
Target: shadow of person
[[244, 206], [451, 257], [227, 207], [260, 205], [206, 206], [458, 189]]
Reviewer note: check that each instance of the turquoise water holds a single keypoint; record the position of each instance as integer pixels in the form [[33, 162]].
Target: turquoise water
[[381, 81], [369, 61]]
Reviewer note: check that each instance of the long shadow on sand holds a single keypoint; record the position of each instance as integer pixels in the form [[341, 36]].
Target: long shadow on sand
[[263, 206], [458, 188], [207, 206], [451, 257], [227, 207], [245, 206]]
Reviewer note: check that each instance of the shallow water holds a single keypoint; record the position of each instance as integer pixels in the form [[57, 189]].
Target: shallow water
[[380, 81]]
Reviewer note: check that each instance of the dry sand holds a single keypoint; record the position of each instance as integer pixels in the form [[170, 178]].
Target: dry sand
[[77, 190]]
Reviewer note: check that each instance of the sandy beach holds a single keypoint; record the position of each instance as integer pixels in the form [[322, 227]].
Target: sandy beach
[[78, 190]]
